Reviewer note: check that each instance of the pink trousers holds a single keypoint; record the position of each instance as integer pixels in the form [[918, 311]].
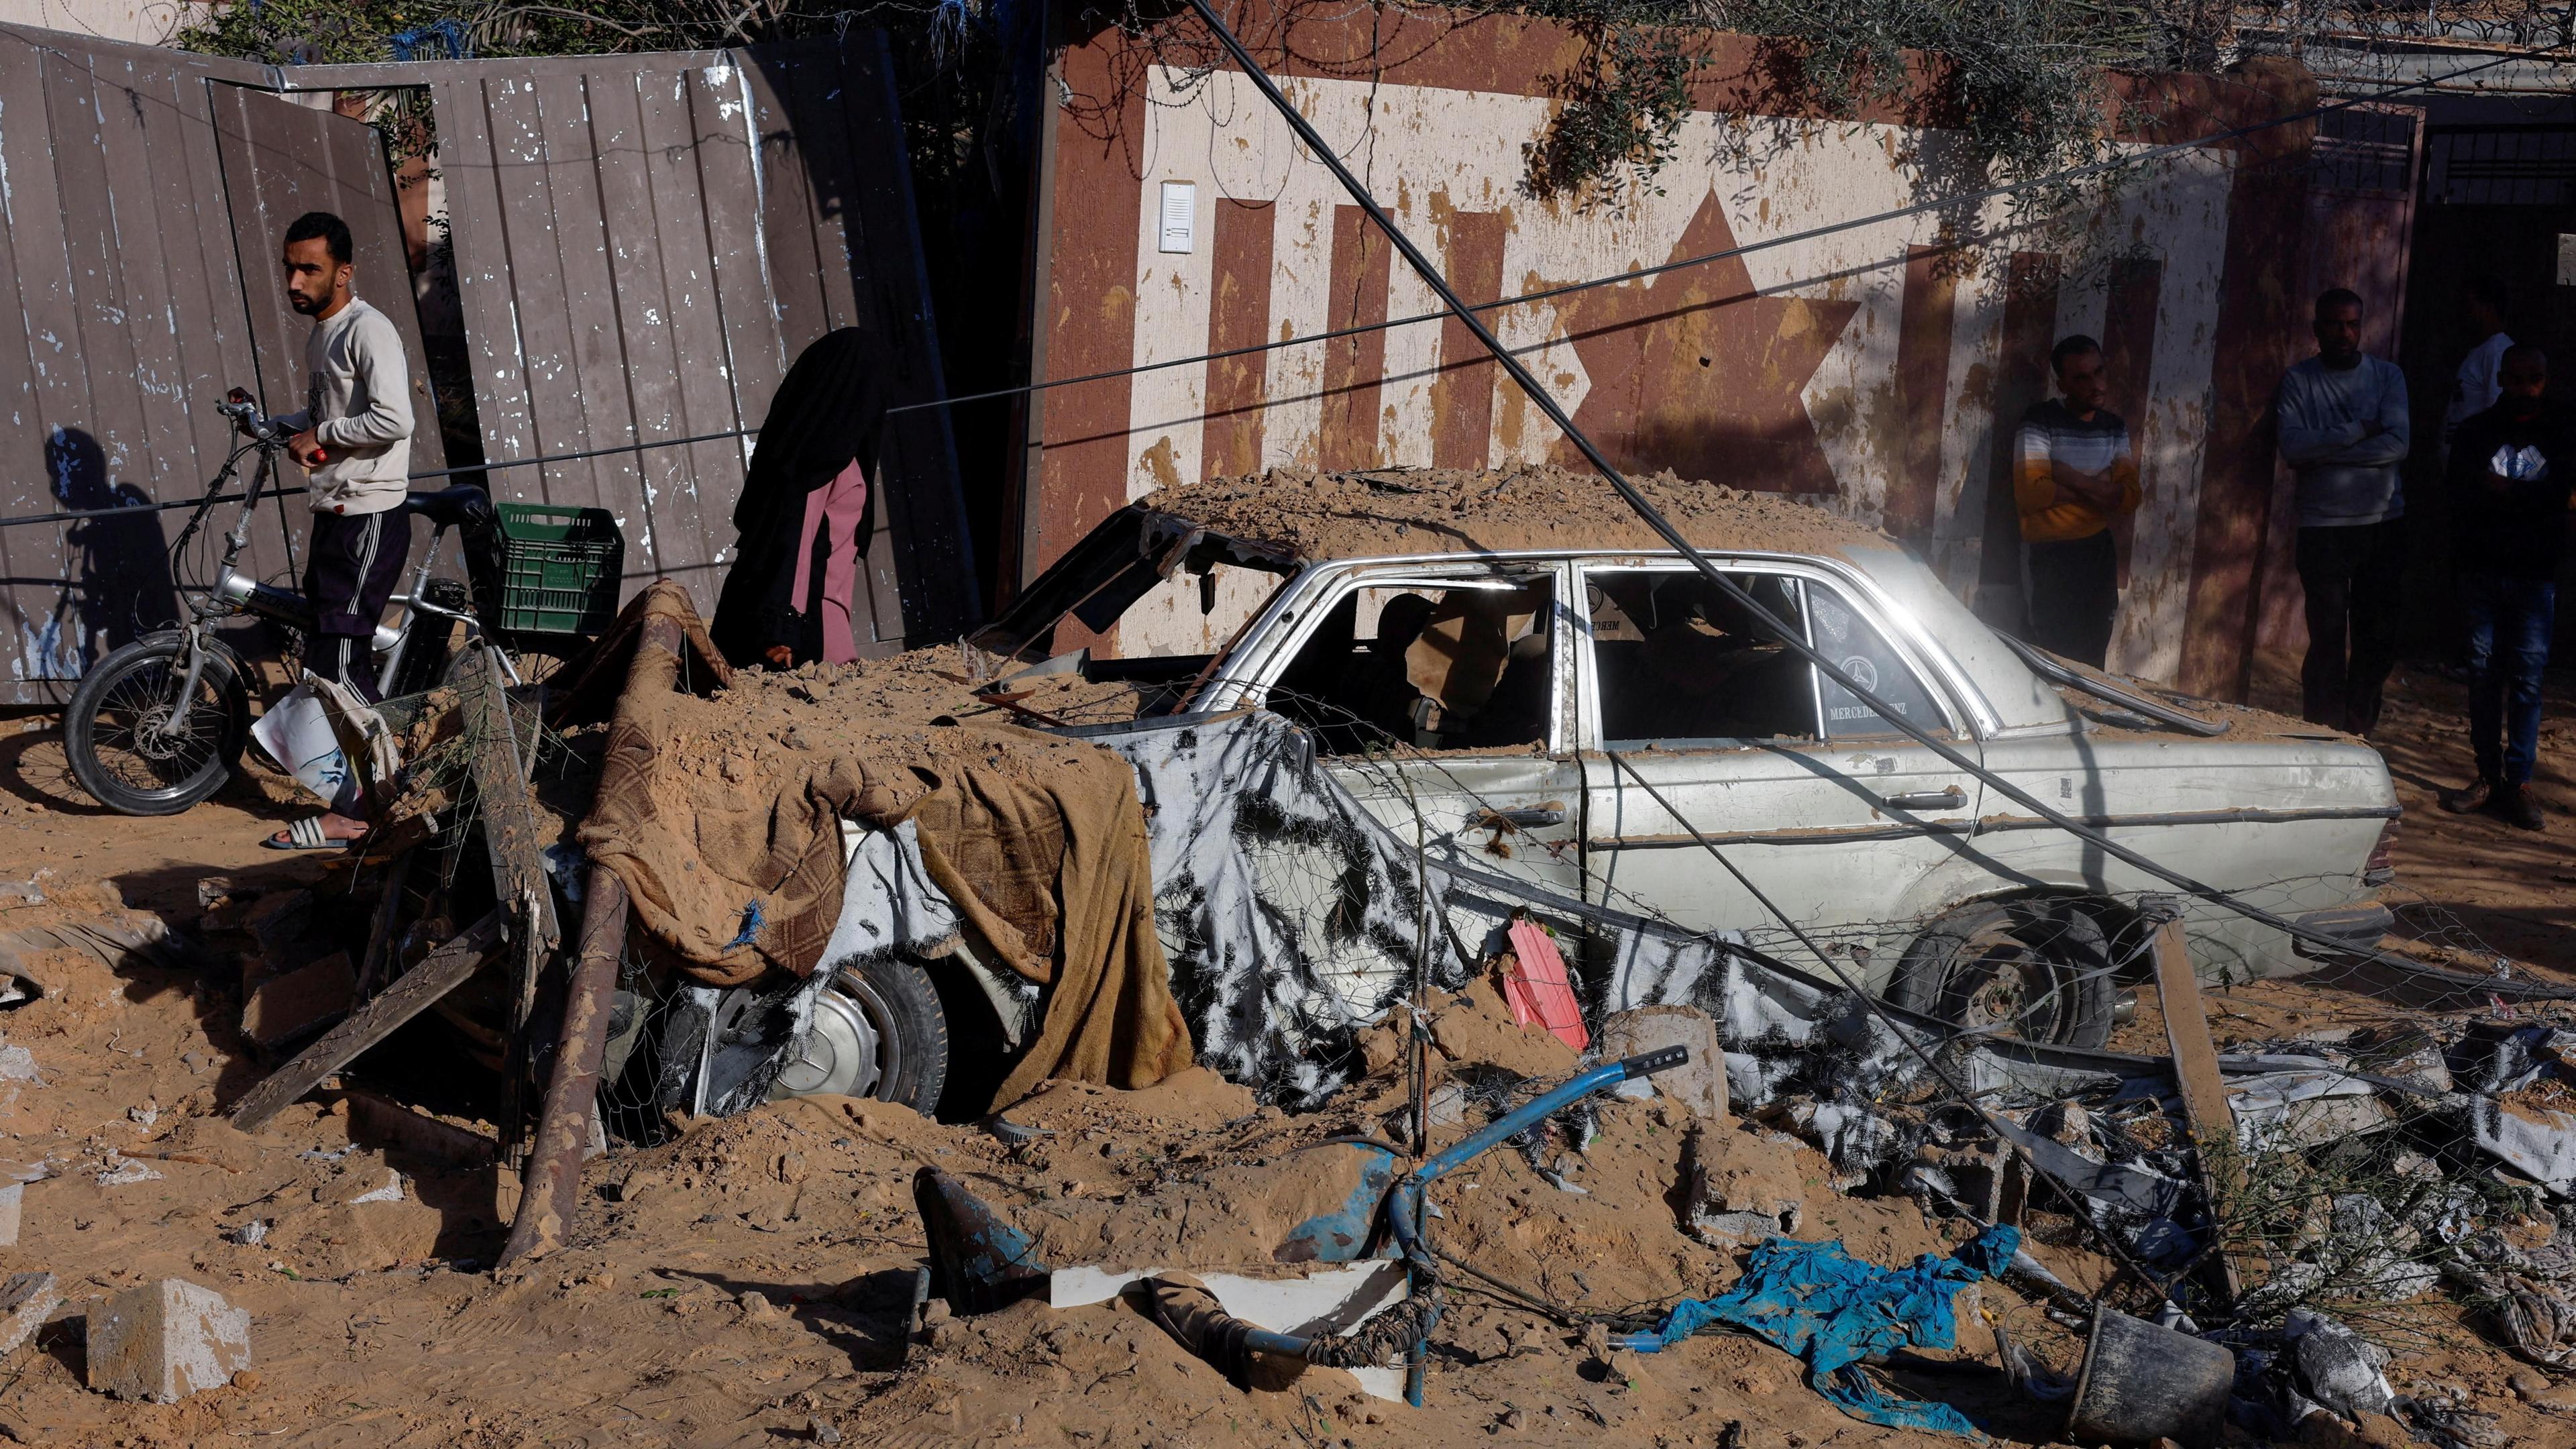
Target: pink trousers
[[837, 509]]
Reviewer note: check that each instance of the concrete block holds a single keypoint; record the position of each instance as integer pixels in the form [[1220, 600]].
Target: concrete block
[[164, 1341], [301, 1002], [1699, 1085], [13, 1199], [26, 1301]]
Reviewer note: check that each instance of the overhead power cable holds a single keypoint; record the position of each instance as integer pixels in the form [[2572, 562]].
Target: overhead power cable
[[1985, 194]]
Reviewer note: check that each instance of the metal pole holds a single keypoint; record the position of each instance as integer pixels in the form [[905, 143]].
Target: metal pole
[[552, 1193]]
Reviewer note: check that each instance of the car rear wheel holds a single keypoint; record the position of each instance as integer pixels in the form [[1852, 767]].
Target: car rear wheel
[[2038, 970], [878, 1032]]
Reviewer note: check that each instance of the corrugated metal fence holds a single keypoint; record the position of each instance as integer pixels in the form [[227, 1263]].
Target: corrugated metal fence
[[643, 243]]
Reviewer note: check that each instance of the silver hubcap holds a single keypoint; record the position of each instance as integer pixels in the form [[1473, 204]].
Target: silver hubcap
[[851, 1050]]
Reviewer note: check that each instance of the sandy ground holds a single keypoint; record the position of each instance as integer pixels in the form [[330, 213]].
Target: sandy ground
[[749, 1282]]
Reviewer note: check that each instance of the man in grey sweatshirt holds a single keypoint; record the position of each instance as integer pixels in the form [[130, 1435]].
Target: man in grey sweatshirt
[[353, 436], [2344, 433]]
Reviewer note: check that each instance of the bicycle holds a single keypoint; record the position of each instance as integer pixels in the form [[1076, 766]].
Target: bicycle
[[161, 723]]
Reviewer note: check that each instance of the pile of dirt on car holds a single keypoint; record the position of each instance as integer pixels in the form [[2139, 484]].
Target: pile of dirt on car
[[1447, 510]]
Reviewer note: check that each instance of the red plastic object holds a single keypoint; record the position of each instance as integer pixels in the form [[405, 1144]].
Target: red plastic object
[[1539, 991]]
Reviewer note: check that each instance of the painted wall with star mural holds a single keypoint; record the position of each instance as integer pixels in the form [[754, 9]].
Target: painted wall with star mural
[[1868, 368]]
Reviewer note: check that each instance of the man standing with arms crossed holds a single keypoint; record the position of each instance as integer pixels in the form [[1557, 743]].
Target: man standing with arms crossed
[[2344, 432], [2073, 472], [354, 437]]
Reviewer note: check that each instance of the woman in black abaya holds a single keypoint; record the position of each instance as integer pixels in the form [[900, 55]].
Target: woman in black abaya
[[802, 524]]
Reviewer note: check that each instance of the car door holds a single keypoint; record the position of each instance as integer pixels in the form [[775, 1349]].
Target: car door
[[1692, 723], [1391, 668]]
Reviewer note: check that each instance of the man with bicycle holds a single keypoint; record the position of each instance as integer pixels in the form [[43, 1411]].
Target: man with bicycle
[[354, 438]]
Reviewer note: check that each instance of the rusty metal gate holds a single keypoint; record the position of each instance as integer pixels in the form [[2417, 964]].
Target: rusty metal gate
[[643, 244]]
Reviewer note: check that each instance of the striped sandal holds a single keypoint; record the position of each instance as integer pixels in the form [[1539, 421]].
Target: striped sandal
[[306, 834]]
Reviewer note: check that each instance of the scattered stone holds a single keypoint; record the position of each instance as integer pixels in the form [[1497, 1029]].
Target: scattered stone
[[392, 1191], [2066, 1123], [13, 1199], [2527, 1385], [164, 1341], [26, 1301], [274, 921], [755, 1304], [145, 1115], [122, 1170], [301, 1002], [250, 1234], [195, 1062], [17, 1064], [1700, 1083]]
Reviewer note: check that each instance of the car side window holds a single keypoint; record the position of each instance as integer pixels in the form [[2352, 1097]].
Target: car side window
[[1677, 660], [1844, 635], [1434, 664]]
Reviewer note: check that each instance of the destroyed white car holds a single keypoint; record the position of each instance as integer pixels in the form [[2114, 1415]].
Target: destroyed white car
[[1520, 692]]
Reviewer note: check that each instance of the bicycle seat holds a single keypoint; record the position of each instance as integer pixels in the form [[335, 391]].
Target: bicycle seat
[[462, 506]]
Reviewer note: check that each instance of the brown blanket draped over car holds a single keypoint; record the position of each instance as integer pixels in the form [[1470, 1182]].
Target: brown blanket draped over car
[[721, 816]]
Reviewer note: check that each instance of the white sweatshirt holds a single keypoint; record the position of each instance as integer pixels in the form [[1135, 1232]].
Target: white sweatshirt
[[358, 405]]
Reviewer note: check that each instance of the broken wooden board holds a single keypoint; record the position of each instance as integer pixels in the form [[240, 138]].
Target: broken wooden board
[[2204, 1091], [508, 820], [442, 971], [501, 803]]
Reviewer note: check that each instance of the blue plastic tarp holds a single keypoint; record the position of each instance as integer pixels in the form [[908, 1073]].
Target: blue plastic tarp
[[1831, 1310]]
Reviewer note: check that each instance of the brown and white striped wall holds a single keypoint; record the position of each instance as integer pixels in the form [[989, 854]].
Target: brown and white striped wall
[[1876, 369]]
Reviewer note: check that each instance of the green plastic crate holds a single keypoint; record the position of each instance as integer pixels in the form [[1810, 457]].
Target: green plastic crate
[[560, 568]]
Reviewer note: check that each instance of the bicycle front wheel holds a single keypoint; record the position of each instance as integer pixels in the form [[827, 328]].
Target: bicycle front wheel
[[123, 745]]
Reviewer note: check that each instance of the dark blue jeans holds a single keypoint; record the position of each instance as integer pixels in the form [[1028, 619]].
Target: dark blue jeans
[[2509, 623]]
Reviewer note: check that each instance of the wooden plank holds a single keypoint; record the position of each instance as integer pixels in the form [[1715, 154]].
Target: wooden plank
[[2204, 1090], [29, 557], [357, 184], [470, 168], [442, 971], [540, 306], [507, 816], [729, 179], [786, 200], [508, 821], [152, 305], [385, 927], [205, 281], [649, 372], [110, 411], [598, 367], [47, 624], [698, 529]]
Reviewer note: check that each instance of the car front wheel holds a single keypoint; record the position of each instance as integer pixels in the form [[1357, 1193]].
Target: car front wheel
[[2039, 970], [878, 1031]]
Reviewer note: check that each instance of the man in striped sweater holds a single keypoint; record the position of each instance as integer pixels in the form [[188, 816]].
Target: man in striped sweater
[[2073, 472]]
